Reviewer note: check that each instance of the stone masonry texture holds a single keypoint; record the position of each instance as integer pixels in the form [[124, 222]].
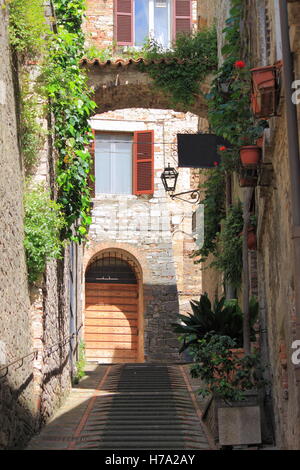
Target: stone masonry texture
[[17, 407], [157, 228]]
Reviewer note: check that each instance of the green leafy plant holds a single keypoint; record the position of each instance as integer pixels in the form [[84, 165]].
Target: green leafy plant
[[253, 220], [223, 318], [43, 223], [229, 111], [27, 27], [94, 52], [71, 104], [191, 59], [80, 364], [225, 374], [70, 15], [31, 133], [214, 212], [229, 258]]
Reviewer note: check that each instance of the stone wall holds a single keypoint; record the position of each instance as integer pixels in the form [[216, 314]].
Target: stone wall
[[17, 404], [51, 308], [157, 228], [275, 247], [32, 319]]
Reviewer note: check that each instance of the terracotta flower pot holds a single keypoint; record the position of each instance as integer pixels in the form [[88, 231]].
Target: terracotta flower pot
[[264, 96], [250, 155], [251, 239], [264, 77]]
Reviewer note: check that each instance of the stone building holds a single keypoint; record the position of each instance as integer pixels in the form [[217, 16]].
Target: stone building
[[274, 279], [18, 406], [278, 281], [134, 220]]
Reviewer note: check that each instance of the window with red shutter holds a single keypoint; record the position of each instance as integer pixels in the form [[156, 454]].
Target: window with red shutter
[[182, 16], [143, 162], [124, 22]]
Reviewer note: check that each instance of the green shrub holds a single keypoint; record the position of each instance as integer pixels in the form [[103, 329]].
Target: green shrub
[[31, 133], [229, 258], [198, 57], [224, 374], [42, 225], [27, 27], [214, 211], [80, 364], [223, 318], [71, 105]]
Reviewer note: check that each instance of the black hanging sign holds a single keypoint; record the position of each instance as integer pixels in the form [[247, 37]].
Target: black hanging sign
[[199, 150]]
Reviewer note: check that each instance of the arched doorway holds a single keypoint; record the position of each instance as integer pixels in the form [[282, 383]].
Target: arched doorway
[[113, 310]]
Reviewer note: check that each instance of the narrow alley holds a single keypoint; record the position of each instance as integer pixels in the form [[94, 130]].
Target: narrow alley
[[150, 225], [130, 406]]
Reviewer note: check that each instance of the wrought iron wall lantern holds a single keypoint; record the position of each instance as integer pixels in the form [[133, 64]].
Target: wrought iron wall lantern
[[169, 179]]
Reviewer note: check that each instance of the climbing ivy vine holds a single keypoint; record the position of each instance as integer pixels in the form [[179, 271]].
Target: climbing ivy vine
[[229, 257], [62, 87], [71, 104], [214, 212], [229, 117], [28, 29], [191, 59]]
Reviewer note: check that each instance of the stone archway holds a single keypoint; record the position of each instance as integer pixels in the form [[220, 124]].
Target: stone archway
[[121, 84], [114, 307]]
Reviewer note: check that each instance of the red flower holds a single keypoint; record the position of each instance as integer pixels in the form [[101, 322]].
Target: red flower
[[216, 163], [222, 148], [239, 64]]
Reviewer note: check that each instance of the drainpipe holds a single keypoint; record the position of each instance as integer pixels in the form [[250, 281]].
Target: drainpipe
[[293, 151]]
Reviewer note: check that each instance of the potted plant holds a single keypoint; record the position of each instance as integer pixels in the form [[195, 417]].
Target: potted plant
[[250, 155], [263, 77], [223, 318], [265, 90], [232, 381]]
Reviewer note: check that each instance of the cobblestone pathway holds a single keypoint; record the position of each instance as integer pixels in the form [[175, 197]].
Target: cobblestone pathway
[[131, 406]]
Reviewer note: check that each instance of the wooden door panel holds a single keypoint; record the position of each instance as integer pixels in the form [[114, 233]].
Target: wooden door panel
[[111, 308], [92, 300], [111, 322], [107, 293], [122, 344], [90, 314]]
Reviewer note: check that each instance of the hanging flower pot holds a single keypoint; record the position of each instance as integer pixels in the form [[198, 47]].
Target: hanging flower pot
[[263, 77], [250, 155], [251, 238], [265, 91]]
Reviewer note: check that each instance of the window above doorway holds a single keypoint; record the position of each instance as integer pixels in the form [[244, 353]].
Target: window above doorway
[[124, 163]]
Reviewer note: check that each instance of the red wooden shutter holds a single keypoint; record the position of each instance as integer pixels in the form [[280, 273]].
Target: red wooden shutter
[[143, 162], [91, 176], [183, 16], [124, 22]]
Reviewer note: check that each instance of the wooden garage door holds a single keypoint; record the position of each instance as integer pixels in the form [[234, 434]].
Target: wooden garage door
[[111, 322]]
